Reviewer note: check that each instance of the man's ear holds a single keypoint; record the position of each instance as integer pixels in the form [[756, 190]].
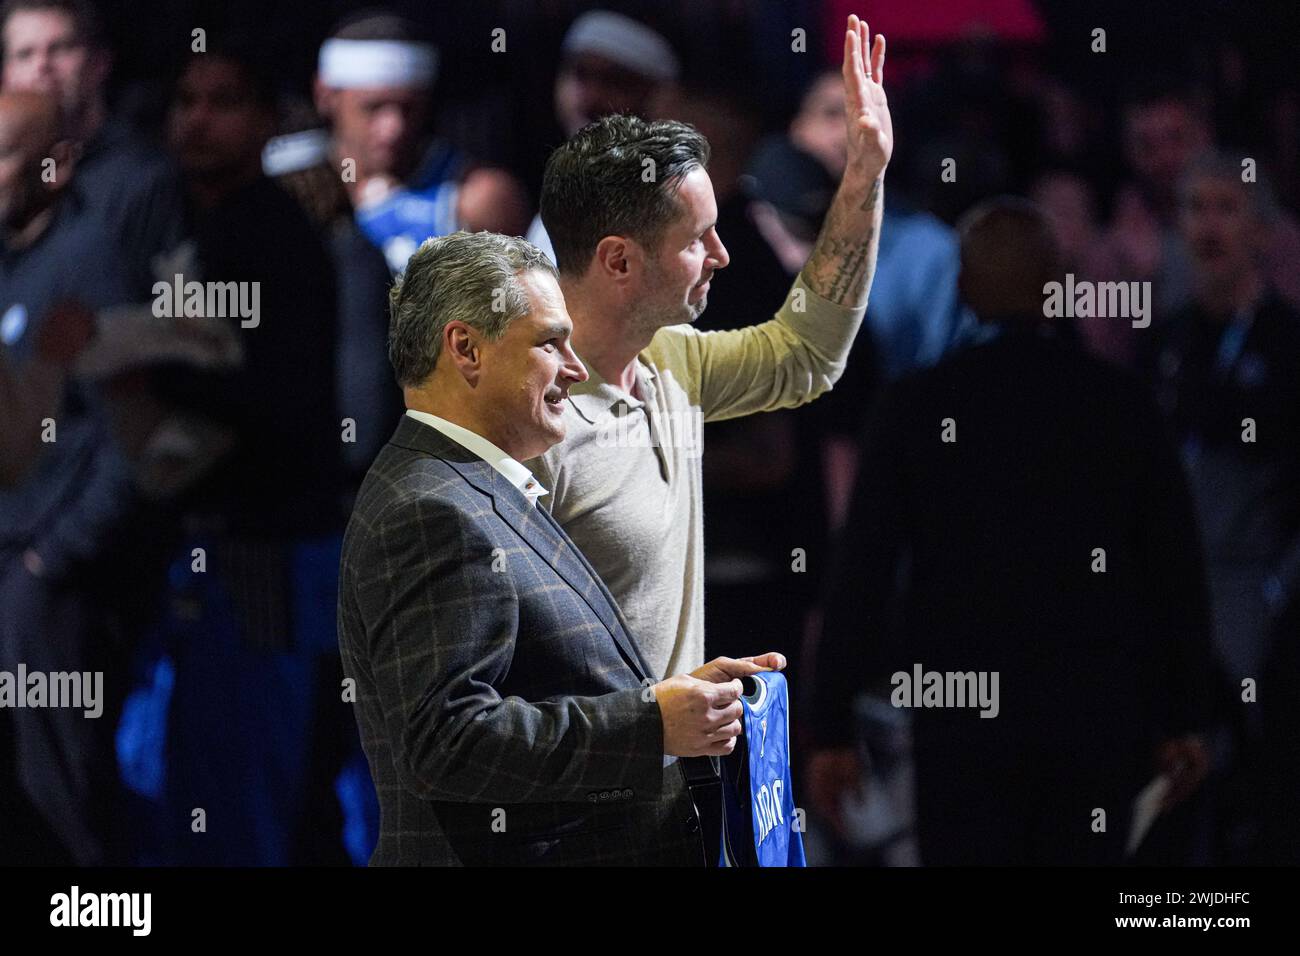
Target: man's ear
[[464, 349], [617, 258]]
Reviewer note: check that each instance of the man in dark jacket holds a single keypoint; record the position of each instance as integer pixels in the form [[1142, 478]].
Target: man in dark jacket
[[249, 627], [1019, 518], [1226, 370], [62, 518]]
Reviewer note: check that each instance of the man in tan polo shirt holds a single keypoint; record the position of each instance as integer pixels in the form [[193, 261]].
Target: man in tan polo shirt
[[631, 212]]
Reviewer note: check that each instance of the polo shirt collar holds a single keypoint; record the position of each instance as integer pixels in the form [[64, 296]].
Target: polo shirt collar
[[596, 398]]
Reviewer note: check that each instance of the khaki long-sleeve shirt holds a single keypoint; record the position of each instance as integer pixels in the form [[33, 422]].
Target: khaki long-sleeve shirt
[[627, 481]]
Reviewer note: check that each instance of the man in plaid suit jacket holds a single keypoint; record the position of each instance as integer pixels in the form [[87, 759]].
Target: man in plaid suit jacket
[[507, 715]]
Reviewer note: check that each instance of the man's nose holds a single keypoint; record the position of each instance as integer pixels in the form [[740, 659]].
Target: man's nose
[[390, 126], [573, 367], [719, 253], [198, 116]]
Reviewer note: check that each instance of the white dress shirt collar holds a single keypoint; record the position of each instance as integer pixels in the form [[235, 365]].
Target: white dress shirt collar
[[511, 470]]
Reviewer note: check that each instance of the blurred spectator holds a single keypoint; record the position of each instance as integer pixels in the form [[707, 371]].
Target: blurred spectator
[[1070, 203], [1227, 374], [609, 63], [787, 193], [1226, 369], [251, 631], [373, 85], [57, 46], [1068, 200], [61, 524], [244, 228], [987, 484], [1164, 128], [367, 393], [818, 127]]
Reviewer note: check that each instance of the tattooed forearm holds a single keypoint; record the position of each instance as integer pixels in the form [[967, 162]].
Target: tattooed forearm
[[847, 282], [844, 259], [872, 197]]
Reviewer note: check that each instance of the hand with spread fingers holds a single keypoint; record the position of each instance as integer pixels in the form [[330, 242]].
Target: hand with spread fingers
[[866, 108], [843, 261]]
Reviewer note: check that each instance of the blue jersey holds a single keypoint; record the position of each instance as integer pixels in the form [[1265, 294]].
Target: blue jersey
[[759, 823], [422, 207]]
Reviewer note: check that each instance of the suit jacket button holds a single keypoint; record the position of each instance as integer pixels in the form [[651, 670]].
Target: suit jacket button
[[692, 824]]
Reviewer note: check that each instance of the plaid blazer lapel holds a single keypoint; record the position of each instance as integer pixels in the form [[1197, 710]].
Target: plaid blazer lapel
[[531, 523], [646, 670], [556, 548]]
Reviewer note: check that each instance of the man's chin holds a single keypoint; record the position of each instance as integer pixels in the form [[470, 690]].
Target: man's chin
[[554, 430]]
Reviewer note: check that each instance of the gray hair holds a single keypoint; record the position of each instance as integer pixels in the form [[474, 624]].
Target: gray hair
[[470, 277]]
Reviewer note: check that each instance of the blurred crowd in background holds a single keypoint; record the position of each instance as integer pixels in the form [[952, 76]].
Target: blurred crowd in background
[[1164, 149]]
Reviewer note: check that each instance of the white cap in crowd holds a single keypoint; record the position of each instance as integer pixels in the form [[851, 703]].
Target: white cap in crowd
[[622, 40]]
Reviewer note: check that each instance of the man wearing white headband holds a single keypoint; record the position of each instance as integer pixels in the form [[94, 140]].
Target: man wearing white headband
[[371, 64], [609, 64], [373, 83]]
